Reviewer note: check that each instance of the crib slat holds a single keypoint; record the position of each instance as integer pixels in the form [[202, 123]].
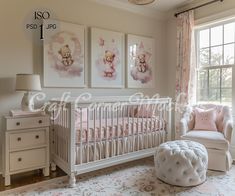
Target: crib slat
[[143, 131], [81, 133], [88, 136], [63, 134], [118, 130], [133, 127], [106, 133], [138, 139], [123, 129], [94, 130], [146, 124], [128, 122]]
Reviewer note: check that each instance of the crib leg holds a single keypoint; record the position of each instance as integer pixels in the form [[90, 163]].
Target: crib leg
[[72, 180], [46, 171], [53, 166]]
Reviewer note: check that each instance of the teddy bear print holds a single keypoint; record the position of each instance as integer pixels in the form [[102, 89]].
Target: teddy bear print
[[108, 63], [141, 63], [66, 55]]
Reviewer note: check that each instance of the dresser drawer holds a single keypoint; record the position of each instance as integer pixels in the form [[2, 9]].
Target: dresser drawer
[[27, 159], [24, 123], [27, 139]]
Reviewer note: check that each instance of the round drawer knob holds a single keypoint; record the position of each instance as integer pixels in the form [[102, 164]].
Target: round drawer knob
[[19, 159], [18, 124], [40, 121], [37, 136], [19, 139]]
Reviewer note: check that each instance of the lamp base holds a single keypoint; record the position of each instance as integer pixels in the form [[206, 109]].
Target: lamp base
[[27, 103]]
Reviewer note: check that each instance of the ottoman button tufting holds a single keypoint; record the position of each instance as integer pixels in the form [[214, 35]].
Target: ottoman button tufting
[[188, 157]]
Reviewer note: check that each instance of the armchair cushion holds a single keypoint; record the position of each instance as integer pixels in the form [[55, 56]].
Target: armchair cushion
[[210, 139]]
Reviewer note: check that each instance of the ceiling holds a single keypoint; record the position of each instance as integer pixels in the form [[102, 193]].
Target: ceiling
[[159, 5], [157, 10]]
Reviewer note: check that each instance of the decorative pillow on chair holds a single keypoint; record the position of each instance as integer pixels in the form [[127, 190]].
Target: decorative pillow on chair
[[205, 119]]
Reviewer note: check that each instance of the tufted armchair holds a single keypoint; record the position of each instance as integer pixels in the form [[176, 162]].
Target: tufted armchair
[[216, 142]]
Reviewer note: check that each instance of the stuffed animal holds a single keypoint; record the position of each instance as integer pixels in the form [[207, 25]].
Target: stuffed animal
[[66, 55], [108, 63], [141, 63]]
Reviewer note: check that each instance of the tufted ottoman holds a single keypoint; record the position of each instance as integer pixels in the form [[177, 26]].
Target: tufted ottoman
[[181, 163]]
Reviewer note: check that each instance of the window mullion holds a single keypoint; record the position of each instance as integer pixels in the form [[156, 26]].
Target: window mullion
[[220, 85], [209, 46], [223, 45], [208, 84]]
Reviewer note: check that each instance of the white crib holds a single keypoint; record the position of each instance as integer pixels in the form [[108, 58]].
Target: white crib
[[106, 131]]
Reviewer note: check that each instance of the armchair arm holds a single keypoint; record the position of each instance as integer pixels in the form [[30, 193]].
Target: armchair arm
[[183, 122], [183, 127], [228, 129]]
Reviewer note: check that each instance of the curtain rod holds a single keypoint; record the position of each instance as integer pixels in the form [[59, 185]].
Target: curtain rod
[[205, 4]]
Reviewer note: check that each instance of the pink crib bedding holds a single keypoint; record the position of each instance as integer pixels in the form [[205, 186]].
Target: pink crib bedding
[[108, 129]]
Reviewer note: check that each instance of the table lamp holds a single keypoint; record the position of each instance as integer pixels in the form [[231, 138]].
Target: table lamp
[[27, 83]]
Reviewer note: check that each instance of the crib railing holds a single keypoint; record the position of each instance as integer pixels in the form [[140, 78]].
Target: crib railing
[[86, 133]]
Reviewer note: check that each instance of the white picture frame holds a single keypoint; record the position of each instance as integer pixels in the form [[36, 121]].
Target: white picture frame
[[140, 62], [107, 59], [64, 55]]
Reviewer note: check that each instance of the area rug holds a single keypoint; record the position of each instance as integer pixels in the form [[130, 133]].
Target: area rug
[[133, 179]]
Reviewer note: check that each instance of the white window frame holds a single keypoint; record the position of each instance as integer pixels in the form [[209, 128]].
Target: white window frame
[[207, 68]]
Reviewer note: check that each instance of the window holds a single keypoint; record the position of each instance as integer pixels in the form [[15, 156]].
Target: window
[[215, 59]]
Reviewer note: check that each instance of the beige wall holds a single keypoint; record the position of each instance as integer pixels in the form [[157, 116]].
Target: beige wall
[[18, 54]]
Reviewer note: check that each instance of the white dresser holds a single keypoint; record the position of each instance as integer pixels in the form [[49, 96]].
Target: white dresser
[[25, 145]]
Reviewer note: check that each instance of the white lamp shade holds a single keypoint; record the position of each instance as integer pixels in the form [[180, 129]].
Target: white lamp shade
[[28, 82]]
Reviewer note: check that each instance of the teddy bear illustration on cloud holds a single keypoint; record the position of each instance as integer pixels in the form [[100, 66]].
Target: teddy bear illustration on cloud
[[108, 59], [141, 71], [65, 54]]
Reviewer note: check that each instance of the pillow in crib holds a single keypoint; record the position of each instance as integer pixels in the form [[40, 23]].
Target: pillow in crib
[[140, 112], [205, 119], [132, 111], [144, 112]]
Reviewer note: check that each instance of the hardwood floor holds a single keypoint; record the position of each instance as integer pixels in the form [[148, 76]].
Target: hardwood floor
[[27, 178], [23, 179]]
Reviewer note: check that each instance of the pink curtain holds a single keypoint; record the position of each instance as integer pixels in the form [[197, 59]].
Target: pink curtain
[[186, 67]]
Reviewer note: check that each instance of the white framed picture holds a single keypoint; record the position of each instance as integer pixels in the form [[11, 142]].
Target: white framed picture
[[107, 58], [141, 62], [64, 55]]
